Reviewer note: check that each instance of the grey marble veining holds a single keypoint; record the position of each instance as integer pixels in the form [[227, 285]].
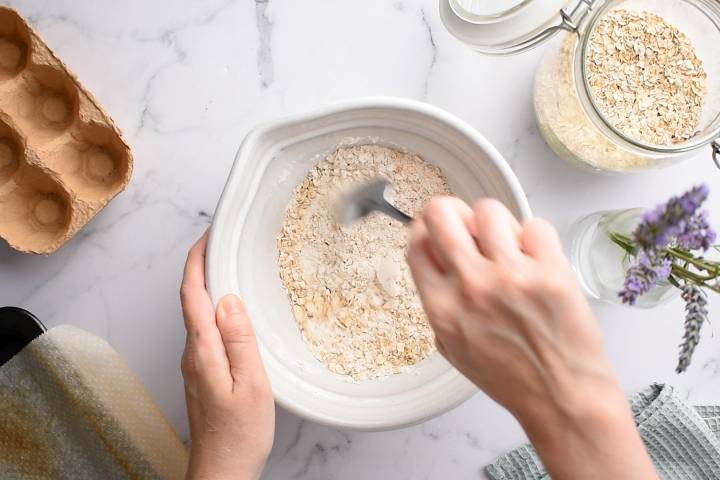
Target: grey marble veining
[[265, 60], [187, 80]]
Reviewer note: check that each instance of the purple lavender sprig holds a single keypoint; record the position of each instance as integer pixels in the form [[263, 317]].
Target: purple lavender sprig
[[697, 234], [695, 315], [668, 244], [667, 222], [639, 279], [643, 276]]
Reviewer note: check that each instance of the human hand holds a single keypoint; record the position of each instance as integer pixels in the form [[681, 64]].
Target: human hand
[[508, 313], [229, 399]]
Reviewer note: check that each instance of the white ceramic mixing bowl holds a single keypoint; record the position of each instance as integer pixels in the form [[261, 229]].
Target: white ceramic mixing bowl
[[242, 252]]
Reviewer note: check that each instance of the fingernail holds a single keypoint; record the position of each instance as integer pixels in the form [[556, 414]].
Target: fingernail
[[230, 304]]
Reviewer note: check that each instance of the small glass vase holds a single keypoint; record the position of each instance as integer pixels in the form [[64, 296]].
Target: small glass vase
[[601, 264]]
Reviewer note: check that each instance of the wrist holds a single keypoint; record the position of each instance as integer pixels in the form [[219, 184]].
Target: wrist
[[215, 467], [209, 472], [582, 417], [584, 405], [589, 435]]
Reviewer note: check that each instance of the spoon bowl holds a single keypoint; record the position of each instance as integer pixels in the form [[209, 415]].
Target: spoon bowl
[[366, 198]]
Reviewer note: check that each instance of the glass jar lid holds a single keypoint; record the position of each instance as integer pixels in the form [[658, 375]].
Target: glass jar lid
[[486, 11], [504, 27]]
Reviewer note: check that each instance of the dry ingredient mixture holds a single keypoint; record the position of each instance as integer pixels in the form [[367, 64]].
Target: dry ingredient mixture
[[633, 93], [352, 294], [645, 77]]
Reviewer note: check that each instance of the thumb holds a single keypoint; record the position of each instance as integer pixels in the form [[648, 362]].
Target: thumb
[[238, 337]]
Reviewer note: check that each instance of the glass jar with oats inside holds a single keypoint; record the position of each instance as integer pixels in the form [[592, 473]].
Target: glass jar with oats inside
[[625, 86]]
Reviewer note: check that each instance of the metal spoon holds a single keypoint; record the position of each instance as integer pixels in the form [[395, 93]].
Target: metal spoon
[[366, 198]]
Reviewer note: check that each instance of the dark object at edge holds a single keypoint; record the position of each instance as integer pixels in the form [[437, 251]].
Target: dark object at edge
[[18, 327]]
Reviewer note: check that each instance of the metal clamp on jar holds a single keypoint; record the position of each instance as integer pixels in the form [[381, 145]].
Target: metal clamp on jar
[[567, 112]]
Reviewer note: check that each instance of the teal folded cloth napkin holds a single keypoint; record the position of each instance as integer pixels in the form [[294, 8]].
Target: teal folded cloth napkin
[[683, 441]]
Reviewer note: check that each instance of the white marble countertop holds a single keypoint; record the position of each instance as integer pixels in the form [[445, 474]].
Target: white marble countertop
[[186, 80]]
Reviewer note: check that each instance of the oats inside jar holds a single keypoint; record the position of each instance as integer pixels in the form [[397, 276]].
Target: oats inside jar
[[645, 77]]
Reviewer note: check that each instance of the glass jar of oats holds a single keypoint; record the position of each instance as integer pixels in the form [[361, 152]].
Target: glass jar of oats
[[627, 85]]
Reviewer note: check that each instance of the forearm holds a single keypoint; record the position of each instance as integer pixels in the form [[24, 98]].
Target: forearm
[[596, 439]]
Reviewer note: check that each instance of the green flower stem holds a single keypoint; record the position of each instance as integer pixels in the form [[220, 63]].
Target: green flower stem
[[623, 242], [708, 266], [683, 272], [697, 279]]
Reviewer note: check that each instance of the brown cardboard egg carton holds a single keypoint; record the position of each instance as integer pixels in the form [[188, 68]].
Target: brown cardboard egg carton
[[61, 157]]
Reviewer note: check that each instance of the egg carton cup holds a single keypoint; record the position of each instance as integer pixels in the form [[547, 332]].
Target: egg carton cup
[[62, 159]]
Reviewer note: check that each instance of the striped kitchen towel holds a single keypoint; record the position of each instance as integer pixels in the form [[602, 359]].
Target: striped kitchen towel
[[683, 441]]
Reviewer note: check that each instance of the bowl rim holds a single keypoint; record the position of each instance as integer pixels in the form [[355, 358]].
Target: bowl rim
[[240, 169]]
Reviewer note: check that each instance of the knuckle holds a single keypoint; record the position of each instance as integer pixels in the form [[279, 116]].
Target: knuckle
[[554, 285], [516, 281], [439, 310], [257, 388], [473, 289], [540, 224], [435, 209], [237, 333], [541, 229], [186, 365], [514, 285], [185, 291], [487, 206], [443, 318], [261, 389]]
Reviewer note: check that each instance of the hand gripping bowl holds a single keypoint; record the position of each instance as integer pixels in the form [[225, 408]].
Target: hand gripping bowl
[[242, 253]]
